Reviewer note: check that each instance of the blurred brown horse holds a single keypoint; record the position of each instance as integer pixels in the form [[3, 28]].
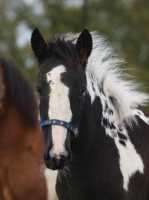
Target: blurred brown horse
[[21, 140]]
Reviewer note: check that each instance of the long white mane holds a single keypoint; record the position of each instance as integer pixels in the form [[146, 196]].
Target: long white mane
[[104, 69]]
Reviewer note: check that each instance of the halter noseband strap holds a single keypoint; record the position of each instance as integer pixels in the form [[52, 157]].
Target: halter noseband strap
[[73, 129]]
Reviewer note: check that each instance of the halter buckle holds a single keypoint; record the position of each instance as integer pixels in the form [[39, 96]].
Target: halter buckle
[[76, 132]]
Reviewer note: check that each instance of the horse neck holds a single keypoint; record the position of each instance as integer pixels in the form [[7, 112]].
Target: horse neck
[[14, 131]]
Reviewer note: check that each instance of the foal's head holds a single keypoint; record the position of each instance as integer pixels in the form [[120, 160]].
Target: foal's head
[[61, 85]]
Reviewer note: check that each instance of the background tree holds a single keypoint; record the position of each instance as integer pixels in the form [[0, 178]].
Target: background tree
[[123, 23]]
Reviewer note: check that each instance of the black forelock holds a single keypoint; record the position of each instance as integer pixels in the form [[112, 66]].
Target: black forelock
[[20, 92], [65, 49]]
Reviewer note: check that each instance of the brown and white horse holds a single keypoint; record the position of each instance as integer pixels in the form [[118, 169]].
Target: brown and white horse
[[21, 140]]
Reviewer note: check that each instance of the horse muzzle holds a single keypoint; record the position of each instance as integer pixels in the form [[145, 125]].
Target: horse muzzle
[[56, 162]]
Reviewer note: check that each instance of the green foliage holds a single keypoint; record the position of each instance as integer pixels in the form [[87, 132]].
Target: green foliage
[[124, 23]]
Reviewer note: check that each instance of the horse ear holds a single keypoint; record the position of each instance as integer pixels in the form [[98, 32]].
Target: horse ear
[[39, 46], [84, 46]]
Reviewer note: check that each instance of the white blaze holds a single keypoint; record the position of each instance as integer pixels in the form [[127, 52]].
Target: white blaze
[[59, 108]]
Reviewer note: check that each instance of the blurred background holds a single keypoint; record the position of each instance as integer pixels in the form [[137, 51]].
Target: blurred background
[[124, 23]]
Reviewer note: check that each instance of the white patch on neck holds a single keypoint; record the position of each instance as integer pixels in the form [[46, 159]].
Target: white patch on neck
[[59, 108], [130, 161]]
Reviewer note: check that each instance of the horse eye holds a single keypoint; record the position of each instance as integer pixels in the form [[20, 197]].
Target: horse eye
[[82, 92], [39, 90]]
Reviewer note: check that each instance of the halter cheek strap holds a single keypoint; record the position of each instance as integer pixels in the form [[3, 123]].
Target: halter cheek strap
[[73, 129]]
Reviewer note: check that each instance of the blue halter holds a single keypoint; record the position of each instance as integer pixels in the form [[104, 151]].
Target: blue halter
[[73, 129]]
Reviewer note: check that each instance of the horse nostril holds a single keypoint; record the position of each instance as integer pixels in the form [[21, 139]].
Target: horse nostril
[[58, 162], [58, 156]]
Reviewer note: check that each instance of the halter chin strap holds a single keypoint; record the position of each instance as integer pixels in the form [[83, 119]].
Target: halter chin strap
[[73, 129]]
